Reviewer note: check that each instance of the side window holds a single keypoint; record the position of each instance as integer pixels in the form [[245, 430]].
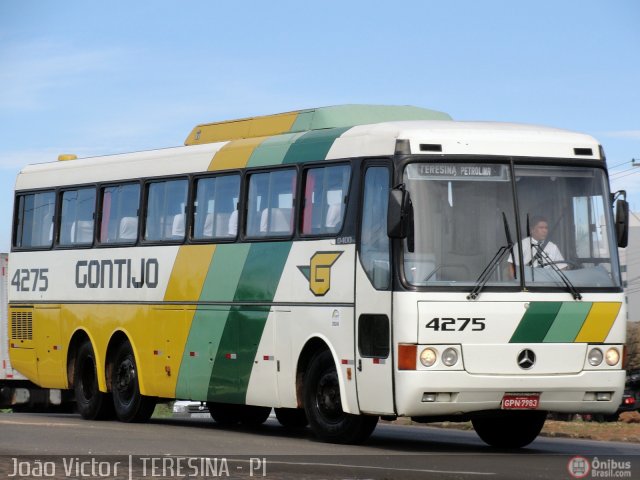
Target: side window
[[120, 207], [34, 220], [216, 208], [166, 207], [374, 242], [270, 206], [325, 192], [77, 217]]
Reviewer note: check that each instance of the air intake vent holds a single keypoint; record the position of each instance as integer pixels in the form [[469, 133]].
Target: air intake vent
[[430, 147], [22, 325], [587, 152]]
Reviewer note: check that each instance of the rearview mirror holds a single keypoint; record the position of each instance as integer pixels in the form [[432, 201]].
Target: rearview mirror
[[398, 212], [622, 223]]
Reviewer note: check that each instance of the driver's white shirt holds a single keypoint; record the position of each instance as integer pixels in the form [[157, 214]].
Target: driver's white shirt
[[528, 247]]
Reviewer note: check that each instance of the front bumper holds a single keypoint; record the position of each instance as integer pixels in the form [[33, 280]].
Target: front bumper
[[458, 392]]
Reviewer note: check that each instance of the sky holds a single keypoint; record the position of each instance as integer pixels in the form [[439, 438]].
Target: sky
[[94, 78]]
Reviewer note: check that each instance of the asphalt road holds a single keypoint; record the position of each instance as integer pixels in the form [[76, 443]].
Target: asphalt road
[[198, 447]]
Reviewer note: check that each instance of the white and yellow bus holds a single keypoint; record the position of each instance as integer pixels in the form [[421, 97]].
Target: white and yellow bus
[[338, 264]]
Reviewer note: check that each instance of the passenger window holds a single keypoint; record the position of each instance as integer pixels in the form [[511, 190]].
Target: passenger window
[[270, 208], [76, 217], [166, 207], [216, 208], [374, 242], [120, 207], [34, 225], [325, 194]]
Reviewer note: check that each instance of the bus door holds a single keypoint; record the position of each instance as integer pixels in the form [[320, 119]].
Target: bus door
[[374, 365]]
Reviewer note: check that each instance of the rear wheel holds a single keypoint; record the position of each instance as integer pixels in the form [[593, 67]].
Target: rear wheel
[[292, 417], [323, 405], [130, 405], [509, 429], [253, 415], [225, 414], [92, 404]]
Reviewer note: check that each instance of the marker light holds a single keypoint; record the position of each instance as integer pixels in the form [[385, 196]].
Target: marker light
[[595, 357], [612, 357], [450, 357], [428, 357]]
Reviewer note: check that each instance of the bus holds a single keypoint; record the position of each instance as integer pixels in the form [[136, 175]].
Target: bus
[[339, 264]]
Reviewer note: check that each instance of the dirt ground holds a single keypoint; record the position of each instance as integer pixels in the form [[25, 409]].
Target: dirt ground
[[627, 429]]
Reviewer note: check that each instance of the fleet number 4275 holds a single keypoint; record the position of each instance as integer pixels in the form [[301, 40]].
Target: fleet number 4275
[[31, 280], [449, 324]]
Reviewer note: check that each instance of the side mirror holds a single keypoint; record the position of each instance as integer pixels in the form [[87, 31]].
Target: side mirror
[[398, 212], [622, 223]]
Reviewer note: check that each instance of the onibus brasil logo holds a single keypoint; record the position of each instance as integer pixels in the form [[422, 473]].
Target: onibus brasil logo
[[318, 272]]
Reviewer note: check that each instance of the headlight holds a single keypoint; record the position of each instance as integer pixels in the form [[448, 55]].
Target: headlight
[[179, 409], [612, 357], [428, 357], [450, 357], [595, 357]]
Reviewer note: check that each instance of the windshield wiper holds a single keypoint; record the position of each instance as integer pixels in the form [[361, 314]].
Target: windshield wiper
[[541, 254], [544, 256], [495, 261]]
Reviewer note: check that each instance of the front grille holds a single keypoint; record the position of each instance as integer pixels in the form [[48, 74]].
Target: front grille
[[21, 325]]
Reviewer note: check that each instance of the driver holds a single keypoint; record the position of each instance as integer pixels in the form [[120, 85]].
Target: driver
[[531, 245]]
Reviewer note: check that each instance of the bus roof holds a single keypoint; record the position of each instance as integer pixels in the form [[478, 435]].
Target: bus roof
[[338, 116]]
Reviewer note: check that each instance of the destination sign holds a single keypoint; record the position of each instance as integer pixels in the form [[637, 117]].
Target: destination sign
[[457, 171]]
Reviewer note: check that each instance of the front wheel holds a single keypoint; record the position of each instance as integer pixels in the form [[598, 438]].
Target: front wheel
[[130, 405], [91, 403], [323, 406], [509, 429]]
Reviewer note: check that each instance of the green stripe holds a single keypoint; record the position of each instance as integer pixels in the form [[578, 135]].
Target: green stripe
[[225, 272], [209, 324], [536, 322], [568, 323], [273, 150], [204, 338], [313, 145], [258, 282]]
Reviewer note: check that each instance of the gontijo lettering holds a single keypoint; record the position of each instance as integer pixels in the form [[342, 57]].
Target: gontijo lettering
[[118, 273]]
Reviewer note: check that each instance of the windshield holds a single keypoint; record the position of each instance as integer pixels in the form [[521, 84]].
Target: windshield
[[464, 214]]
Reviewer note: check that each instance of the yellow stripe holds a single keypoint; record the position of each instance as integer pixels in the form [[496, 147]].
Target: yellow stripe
[[599, 322], [235, 154], [239, 129], [189, 273]]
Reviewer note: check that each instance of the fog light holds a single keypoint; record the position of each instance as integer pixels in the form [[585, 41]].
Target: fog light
[[612, 357], [595, 357], [603, 396], [428, 357], [429, 397], [450, 357]]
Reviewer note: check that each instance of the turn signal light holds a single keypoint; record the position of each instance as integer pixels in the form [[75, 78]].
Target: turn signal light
[[407, 356]]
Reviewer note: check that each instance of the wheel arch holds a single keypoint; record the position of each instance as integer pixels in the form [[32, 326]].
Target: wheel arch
[[119, 337], [348, 394], [79, 337]]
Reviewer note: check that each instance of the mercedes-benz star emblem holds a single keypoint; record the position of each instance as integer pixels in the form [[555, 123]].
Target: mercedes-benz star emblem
[[526, 359]]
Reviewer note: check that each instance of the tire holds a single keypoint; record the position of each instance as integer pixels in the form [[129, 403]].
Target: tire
[[252, 415], [130, 405], [92, 404], [292, 417], [224, 414], [323, 406], [509, 429]]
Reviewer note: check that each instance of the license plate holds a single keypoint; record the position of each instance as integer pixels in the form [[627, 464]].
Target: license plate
[[520, 402]]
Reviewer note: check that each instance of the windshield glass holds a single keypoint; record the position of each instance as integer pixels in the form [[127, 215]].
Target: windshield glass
[[565, 214], [463, 214], [458, 223]]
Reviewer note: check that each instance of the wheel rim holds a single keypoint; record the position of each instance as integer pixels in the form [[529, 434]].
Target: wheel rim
[[88, 378], [328, 398], [126, 381]]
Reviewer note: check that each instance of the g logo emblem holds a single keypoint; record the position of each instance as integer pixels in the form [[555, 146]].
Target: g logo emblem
[[319, 272]]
